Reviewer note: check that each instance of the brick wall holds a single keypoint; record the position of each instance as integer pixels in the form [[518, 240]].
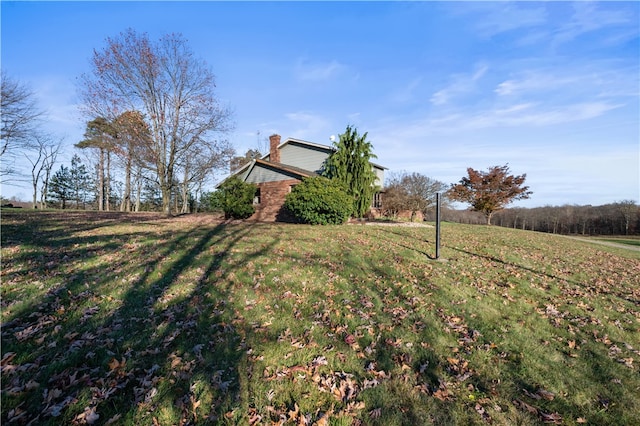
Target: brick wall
[[272, 195]]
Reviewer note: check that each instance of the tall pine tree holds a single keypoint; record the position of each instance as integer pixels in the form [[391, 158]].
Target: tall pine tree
[[80, 182], [60, 187], [350, 165], [100, 134]]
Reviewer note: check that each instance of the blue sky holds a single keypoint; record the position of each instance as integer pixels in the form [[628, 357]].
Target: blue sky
[[551, 88]]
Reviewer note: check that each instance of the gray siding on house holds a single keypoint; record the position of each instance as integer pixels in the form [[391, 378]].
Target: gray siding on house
[[259, 173], [242, 175], [379, 177], [305, 157]]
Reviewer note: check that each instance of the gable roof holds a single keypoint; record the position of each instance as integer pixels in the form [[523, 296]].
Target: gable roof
[[285, 169], [329, 149], [303, 143]]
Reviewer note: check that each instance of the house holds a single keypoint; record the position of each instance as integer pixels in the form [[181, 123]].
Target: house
[[285, 166]]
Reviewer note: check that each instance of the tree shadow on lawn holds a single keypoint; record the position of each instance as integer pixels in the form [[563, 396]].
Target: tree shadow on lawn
[[47, 227], [170, 346], [598, 372], [422, 243], [514, 265]]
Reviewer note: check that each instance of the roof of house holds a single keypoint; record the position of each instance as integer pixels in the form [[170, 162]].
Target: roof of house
[[246, 169], [317, 146], [286, 168]]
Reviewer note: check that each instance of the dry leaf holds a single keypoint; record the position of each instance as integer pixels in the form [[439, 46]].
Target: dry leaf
[[91, 416], [7, 358], [375, 413], [523, 405], [546, 394], [551, 418], [113, 419]]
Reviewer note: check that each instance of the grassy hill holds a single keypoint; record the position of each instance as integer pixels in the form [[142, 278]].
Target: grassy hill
[[140, 319]]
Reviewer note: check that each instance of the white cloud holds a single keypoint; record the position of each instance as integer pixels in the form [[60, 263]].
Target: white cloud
[[57, 97], [577, 83], [525, 115], [407, 92], [308, 126], [495, 18], [557, 173], [314, 72], [588, 17], [461, 84], [354, 118]]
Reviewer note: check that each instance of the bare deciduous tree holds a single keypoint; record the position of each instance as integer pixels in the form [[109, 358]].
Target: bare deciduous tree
[[42, 158], [132, 147], [198, 167], [169, 85], [629, 210], [20, 121], [20, 114], [411, 192]]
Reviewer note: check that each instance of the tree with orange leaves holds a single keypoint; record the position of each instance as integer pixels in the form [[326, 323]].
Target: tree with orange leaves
[[490, 191]]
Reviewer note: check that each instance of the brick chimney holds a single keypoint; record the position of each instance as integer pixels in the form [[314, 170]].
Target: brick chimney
[[274, 154]]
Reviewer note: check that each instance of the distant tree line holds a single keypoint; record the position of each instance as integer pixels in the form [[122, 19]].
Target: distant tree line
[[619, 218]]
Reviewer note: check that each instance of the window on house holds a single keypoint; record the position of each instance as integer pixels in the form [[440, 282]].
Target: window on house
[[256, 198], [377, 200]]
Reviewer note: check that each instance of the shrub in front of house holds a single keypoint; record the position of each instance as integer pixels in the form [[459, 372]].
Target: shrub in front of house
[[319, 201], [235, 198]]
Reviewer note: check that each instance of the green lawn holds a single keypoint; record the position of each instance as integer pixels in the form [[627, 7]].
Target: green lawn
[[632, 241], [143, 320]]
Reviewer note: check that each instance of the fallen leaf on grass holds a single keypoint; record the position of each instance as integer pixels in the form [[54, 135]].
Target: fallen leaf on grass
[[546, 394], [31, 385], [254, 418], [628, 362], [7, 358], [88, 416], [115, 364], [483, 413], [16, 414], [442, 394], [323, 420], [554, 418], [545, 417], [375, 413], [349, 339], [526, 407]]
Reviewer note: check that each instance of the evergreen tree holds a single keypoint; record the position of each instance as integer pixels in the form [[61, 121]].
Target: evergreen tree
[[350, 165], [100, 135], [80, 182], [60, 188]]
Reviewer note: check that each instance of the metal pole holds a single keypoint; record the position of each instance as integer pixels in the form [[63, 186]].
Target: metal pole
[[438, 225]]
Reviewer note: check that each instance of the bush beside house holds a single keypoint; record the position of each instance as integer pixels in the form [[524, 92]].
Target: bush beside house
[[235, 198], [319, 201]]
